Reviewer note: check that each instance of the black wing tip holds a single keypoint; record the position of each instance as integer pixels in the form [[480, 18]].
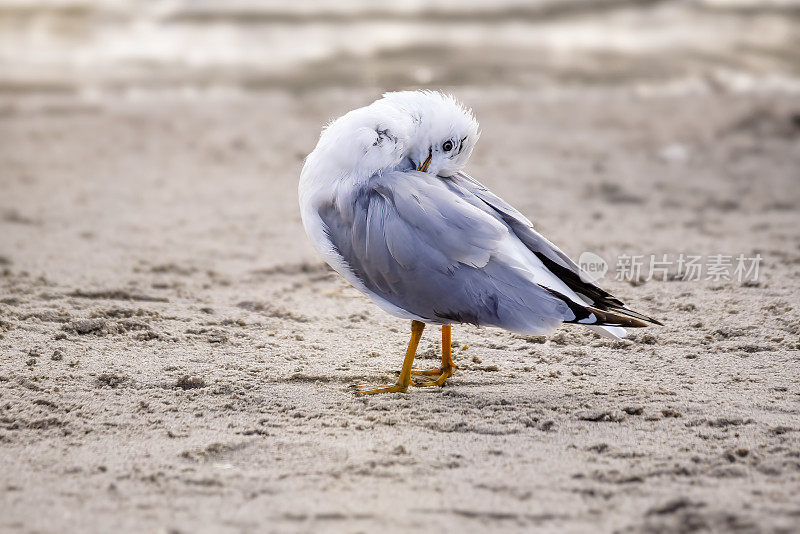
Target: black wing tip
[[640, 316], [617, 316]]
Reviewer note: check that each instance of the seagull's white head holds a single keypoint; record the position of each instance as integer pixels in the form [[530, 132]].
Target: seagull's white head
[[443, 131], [423, 130]]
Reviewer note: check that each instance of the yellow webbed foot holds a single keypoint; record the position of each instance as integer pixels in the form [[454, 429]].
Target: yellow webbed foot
[[444, 374]]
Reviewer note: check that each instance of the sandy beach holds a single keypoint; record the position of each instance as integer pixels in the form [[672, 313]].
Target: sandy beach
[[174, 357]]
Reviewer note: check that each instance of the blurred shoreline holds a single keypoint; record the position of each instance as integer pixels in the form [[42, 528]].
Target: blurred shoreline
[[92, 49]]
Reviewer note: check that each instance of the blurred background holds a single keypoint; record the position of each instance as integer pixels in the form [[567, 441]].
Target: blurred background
[[129, 46]]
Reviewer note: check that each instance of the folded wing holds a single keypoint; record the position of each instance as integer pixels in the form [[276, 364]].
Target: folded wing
[[442, 254]]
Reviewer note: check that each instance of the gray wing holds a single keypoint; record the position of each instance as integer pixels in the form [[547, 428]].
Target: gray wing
[[426, 248], [550, 255]]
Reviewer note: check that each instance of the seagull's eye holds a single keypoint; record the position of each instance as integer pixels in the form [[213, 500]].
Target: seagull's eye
[[447, 146]]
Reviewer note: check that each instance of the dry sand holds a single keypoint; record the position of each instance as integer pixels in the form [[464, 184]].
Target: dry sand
[[175, 357]]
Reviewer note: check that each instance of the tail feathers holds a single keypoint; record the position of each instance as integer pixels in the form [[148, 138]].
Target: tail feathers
[[610, 332], [618, 316]]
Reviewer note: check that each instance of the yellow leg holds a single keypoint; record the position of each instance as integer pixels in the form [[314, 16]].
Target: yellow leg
[[405, 373], [448, 367]]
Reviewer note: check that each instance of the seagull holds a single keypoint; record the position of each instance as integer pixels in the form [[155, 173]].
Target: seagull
[[385, 201]]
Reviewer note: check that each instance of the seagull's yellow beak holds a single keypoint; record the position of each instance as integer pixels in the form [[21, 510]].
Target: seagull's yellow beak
[[425, 164]]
